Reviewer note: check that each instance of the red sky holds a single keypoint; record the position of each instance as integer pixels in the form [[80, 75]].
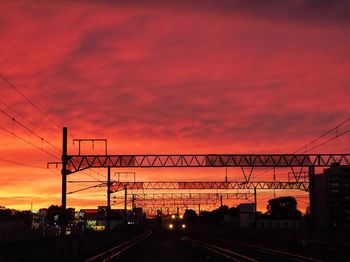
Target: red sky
[[168, 77]]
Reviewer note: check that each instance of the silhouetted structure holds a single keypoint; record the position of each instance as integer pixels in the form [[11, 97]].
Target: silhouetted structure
[[331, 198]]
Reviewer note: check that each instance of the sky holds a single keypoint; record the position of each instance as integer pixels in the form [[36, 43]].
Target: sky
[[166, 77]]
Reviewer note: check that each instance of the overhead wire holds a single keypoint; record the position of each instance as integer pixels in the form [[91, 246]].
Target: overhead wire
[[28, 142], [315, 140], [29, 130], [329, 140], [91, 176], [28, 120], [86, 188], [20, 164], [28, 100], [323, 135]]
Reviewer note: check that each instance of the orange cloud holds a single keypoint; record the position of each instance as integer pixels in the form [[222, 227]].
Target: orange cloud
[[175, 78]]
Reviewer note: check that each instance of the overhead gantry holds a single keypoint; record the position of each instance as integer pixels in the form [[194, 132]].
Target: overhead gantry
[[225, 185], [75, 163], [166, 201]]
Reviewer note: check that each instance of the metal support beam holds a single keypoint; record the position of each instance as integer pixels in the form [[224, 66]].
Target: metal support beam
[[186, 196], [255, 201], [126, 205], [80, 162], [312, 192], [108, 212], [118, 186], [64, 180]]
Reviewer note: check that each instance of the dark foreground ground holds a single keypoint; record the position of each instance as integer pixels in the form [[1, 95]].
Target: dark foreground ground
[[201, 246], [193, 244], [163, 248]]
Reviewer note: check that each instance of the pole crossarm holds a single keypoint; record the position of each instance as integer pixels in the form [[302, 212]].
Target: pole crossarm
[[80, 162], [119, 186]]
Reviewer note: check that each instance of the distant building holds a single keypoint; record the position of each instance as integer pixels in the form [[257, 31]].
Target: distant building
[[97, 217], [246, 214], [330, 198], [244, 218]]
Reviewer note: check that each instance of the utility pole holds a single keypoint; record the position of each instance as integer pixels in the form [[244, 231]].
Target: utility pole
[[133, 201], [125, 205], [220, 200], [311, 191], [133, 208], [64, 181], [108, 212], [255, 203]]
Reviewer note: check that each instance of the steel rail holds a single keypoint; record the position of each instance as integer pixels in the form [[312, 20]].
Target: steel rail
[[234, 256], [275, 252], [117, 250]]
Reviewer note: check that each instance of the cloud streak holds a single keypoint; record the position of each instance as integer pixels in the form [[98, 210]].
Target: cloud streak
[[217, 77]]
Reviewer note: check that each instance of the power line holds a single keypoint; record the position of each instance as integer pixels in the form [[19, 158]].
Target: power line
[[28, 100], [30, 130], [323, 135], [28, 142], [315, 140], [20, 164], [104, 176], [329, 140], [92, 176], [86, 188], [24, 118]]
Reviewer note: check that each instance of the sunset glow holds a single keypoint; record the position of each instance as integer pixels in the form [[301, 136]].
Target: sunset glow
[[166, 77]]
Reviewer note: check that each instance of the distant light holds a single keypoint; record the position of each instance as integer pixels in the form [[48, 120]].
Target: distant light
[[173, 216], [171, 226], [183, 226], [181, 216]]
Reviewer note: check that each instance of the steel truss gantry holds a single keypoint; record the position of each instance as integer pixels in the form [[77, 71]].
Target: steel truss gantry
[[77, 163], [185, 196], [185, 199], [175, 202], [119, 186]]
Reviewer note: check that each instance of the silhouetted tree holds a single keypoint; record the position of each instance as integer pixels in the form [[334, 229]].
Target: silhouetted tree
[[190, 216], [223, 209], [307, 214], [55, 215], [233, 211], [6, 215], [205, 217], [283, 208], [214, 217]]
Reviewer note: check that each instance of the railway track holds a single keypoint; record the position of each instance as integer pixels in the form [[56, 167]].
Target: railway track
[[116, 251], [238, 252], [228, 254]]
